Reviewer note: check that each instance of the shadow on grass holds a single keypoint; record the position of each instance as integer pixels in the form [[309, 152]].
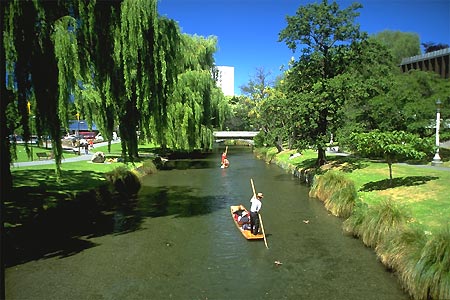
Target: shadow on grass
[[396, 182], [45, 218]]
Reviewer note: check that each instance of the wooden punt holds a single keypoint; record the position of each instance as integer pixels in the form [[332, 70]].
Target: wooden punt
[[246, 233]]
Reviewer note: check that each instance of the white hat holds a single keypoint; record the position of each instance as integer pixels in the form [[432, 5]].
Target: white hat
[[260, 195]]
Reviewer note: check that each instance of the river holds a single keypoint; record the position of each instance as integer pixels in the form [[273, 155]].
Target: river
[[180, 243]]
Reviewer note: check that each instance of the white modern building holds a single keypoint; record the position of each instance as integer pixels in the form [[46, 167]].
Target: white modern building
[[225, 79]]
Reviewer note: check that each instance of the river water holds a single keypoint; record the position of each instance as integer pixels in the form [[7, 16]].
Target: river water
[[180, 243]]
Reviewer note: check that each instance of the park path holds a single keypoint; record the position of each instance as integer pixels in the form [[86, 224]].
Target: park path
[[89, 156], [52, 161]]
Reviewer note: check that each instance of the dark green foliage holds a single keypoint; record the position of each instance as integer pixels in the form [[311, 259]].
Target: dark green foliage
[[430, 46], [259, 139], [313, 81]]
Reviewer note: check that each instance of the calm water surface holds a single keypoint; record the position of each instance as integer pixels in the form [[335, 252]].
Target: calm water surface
[[180, 243]]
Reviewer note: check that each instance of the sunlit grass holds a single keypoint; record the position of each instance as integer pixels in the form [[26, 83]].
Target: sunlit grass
[[22, 155]]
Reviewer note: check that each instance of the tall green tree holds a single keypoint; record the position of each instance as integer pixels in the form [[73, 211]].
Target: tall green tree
[[102, 81], [379, 96], [33, 67], [400, 44], [257, 91], [239, 119], [197, 105], [276, 118], [324, 31], [370, 75]]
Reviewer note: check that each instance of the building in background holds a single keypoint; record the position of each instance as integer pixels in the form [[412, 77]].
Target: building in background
[[225, 79], [436, 61]]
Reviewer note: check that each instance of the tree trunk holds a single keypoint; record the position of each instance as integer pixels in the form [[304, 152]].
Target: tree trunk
[[390, 173], [278, 144], [321, 157], [279, 147]]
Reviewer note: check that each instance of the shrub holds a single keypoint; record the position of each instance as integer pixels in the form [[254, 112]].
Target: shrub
[[124, 181], [148, 167]]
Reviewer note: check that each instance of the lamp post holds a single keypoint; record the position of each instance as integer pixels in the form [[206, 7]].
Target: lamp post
[[31, 128], [78, 134], [437, 158]]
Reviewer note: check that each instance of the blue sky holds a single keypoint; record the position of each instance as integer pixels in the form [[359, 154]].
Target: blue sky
[[247, 30]]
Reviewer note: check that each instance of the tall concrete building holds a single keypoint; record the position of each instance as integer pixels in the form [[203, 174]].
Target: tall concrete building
[[225, 80]]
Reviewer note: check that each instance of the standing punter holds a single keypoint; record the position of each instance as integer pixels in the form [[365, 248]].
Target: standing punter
[[254, 210]]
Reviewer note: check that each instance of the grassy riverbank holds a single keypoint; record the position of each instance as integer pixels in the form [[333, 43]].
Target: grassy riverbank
[[404, 220], [36, 188]]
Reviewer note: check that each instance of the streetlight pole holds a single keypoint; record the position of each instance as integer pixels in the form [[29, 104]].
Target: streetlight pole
[[78, 134], [437, 158], [30, 120]]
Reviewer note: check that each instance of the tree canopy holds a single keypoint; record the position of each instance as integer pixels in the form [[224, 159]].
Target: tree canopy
[[121, 65], [313, 81], [392, 146]]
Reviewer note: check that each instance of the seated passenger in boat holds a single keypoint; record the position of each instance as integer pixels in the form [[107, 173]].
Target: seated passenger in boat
[[243, 218]]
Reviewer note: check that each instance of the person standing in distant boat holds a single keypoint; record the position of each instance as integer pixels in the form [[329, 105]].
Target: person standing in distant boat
[[254, 212], [224, 155], [225, 162]]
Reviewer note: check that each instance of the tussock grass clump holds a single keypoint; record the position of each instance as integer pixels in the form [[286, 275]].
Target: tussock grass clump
[[430, 279], [336, 191], [148, 167], [402, 248], [354, 223], [372, 224], [125, 181], [422, 261]]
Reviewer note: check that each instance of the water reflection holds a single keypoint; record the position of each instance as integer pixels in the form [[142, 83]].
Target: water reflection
[[175, 201], [186, 164]]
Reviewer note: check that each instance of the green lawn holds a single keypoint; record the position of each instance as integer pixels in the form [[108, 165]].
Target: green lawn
[[423, 191]]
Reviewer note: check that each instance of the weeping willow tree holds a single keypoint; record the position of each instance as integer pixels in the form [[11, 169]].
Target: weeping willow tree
[[197, 105], [102, 82], [66, 52], [120, 61], [170, 64], [32, 67], [146, 52]]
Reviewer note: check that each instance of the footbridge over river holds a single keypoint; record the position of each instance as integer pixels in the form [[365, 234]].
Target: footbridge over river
[[235, 135]]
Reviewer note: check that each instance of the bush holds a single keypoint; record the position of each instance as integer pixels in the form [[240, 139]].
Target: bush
[[259, 139], [148, 167], [124, 181]]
